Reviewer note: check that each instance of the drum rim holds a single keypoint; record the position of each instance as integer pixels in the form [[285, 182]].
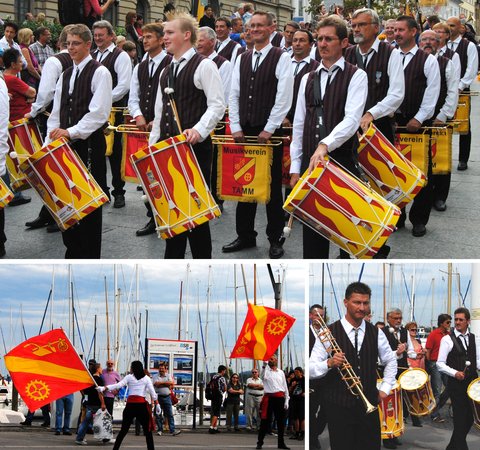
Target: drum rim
[[476, 380], [410, 370]]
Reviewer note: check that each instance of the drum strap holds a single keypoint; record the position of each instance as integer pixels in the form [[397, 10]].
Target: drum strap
[[317, 96], [460, 349]]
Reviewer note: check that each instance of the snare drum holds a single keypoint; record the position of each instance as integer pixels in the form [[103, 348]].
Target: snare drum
[[462, 114], [343, 209], [65, 186], [18, 180], [392, 175], [175, 187], [6, 195], [441, 145], [391, 413], [473, 392], [418, 391], [415, 148]]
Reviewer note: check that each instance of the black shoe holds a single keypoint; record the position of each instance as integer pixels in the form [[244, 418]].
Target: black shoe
[[284, 447], [397, 441], [382, 252], [149, 228], [20, 201], [276, 250], [388, 443], [57, 433], [45, 425], [440, 205], [2, 250], [461, 166], [259, 446], [39, 222], [419, 230], [119, 201], [26, 424], [53, 228], [416, 422], [211, 431], [67, 433], [139, 188], [239, 244]]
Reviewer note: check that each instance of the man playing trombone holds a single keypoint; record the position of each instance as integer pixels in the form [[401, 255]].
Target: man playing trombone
[[349, 394]]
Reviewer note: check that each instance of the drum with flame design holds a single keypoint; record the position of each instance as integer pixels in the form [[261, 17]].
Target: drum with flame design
[[175, 187], [6, 195], [417, 391], [64, 184], [473, 392], [391, 413], [343, 209], [392, 175]]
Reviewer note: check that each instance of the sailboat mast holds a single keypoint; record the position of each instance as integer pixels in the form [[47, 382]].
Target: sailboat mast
[[206, 322], [180, 312], [137, 299], [236, 307], [449, 294], [51, 300], [107, 319]]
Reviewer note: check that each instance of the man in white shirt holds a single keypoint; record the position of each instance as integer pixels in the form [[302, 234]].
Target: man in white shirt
[[288, 32], [459, 358], [10, 30], [254, 395], [163, 384], [225, 46], [389, 30]]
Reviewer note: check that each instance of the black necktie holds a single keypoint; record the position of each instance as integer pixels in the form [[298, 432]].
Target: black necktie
[[465, 342], [329, 78], [299, 63], [451, 46], [174, 66], [152, 67], [217, 46], [365, 58], [77, 73], [257, 61], [101, 55], [356, 341], [403, 60]]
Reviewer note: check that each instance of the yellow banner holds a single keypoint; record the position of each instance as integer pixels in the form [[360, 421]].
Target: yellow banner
[[415, 148], [441, 145], [427, 3]]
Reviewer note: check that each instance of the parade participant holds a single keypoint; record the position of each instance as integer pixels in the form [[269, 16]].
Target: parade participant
[[389, 31], [442, 31], [422, 89], [118, 64], [81, 107], [260, 97], [4, 113], [218, 387], [297, 404], [225, 46], [163, 384], [334, 117], [444, 110], [276, 37], [254, 394], [455, 350], [288, 32], [143, 91], [275, 400], [437, 379], [361, 344], [139, 386], [247, 36], [198, 94], [232, 402], [63, 412], [110, 376], [467, 51]]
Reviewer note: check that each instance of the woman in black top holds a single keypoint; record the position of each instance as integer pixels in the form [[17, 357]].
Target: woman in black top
[[208, 20], [232, 402]]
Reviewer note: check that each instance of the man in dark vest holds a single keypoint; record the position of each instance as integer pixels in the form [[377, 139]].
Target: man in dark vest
[[52, 69], [422, 88], [455, 350], [444, 110], [225, 46], [260, 97], [330, 103], [276, 37], [80, 111], [467, 51], [198, 94], [143, 91], [361, 344], [120, 67]]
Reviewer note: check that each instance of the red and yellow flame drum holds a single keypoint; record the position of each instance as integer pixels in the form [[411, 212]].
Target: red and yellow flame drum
[[134, 140], [391, 413], [441, 145], [473, 392], [415, 148], [392, 175], [462, 114], [6, 195], [343, 209], [417, 391], [64, 184], [175, 187]]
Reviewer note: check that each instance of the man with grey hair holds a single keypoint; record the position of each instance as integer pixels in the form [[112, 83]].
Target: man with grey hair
[[118, 64], [389, 31], [240, 10]]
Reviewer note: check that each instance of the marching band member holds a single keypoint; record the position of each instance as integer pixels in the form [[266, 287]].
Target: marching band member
[[260, 97], [389, 31], [468, 54], [225, 46], [288, 31], [143, 91], [340, 104], [118, 64], [81, 107], [276, 37], [422, 88], [445, 108], [361, 344], [443, 34], [456, 349], [4, 116], [200, 103]]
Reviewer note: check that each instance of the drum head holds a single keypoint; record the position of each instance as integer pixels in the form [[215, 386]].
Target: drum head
[[473, 390], [413, 379]]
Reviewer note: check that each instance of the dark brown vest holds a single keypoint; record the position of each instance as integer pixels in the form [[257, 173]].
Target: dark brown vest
[[65, 60], [219, 60], [149, 86], [448, 53], [191, 102], [258, 90], [456, 360], [241, 50], [109, 63], [227, 51], [277, 39], [442, 65], [461, 49], [392, 340], [306, 68]]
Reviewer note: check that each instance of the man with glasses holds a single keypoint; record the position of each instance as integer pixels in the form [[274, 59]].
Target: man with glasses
[[437, 379], [254, 393], [456, 349], [163, 383], [110, 376]]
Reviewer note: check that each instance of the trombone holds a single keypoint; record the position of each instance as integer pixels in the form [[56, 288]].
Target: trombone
[[354, 385], [249, 140]]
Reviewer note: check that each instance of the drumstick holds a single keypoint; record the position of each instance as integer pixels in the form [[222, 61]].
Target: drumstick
[[286, 230], [467, 365], [169, 91]]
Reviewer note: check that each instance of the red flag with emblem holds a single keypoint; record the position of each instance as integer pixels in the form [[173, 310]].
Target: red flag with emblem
[[46, 368], [262, 332]]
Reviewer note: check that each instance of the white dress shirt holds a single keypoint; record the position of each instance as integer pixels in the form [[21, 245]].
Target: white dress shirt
[[300, 64], [223, 44], [455, 60], [52, 69], [275, 381], [4, 118], [225, 74], [447, 111], [283, 98], [432, 91], [396, 84], [318, 359], [134, 96], [207, 78], [258, 382], [472, 62], [123, 69], [98, 110], [354, 106], [5, 45], [446, 346], [140, 387]]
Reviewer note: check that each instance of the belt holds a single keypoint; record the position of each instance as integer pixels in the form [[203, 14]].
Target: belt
[[256, 395], [164, 396]]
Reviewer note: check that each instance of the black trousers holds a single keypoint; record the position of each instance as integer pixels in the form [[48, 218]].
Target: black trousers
[[199, 238], [462, 414], [140, 412], [3, 238], [441, 186], [465, 140], [116, 160], [276, 407], [109, 404], [317, 415], [246, 212]]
